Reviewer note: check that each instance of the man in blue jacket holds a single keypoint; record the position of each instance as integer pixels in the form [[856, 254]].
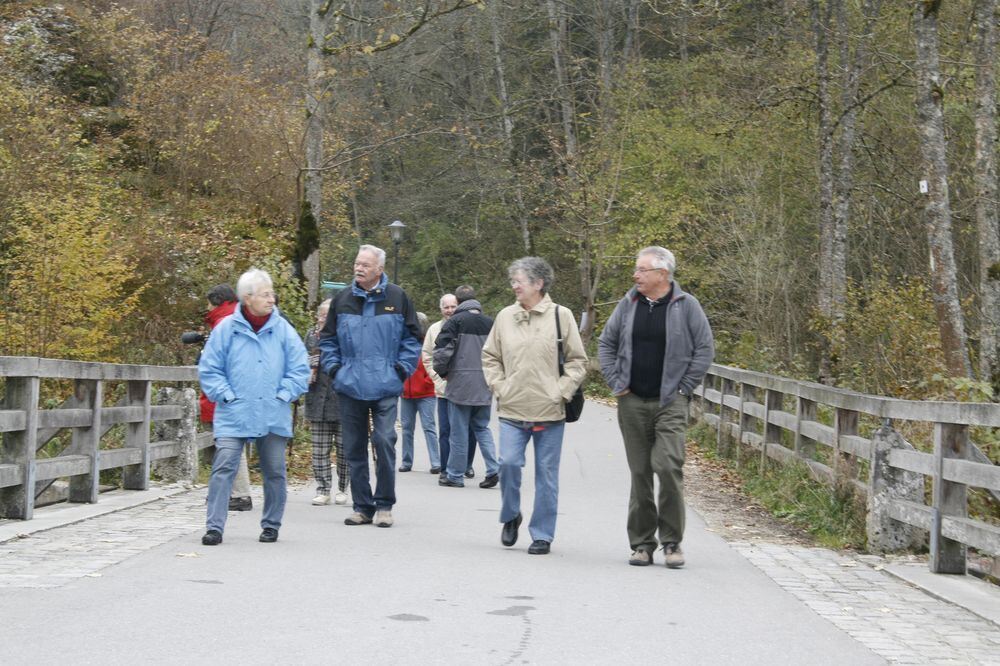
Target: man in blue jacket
[[253, 367], [369, 346], [654, 351]]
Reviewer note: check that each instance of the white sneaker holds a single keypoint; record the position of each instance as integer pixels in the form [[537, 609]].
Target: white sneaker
[[341, 498], [383, 518], [321, 499]]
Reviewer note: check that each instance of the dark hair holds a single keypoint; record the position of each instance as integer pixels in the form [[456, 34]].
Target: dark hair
[[464, 293], [220, 293]]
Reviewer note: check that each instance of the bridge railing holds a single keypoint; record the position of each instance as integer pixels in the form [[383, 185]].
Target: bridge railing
[[820, 427], [156, 410]]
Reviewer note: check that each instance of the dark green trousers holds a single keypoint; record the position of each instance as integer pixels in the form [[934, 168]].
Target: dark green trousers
[[654, 445]]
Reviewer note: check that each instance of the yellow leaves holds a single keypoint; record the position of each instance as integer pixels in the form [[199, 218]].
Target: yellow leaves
[[368, 49], [393, 38]]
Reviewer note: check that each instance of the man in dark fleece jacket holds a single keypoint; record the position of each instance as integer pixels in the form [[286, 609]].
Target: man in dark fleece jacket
[[458, 357]]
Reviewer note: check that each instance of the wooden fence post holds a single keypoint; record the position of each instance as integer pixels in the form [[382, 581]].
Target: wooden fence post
[[87, 441], [18, 448], [805, 410], [138, 394], [748, 393], [949, 498], [723, 436], [845, 465], [773, 402]]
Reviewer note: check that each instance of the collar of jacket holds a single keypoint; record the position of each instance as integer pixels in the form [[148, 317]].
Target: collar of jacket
[[465, 306], [633, 293], [376, 292], [242, 322], [541, 307]]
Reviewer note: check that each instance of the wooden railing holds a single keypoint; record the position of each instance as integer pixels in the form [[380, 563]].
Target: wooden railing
[[783, 420], [159, 425]]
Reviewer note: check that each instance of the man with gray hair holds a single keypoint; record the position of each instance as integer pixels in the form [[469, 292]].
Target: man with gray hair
[[369, 345], [654, 351]]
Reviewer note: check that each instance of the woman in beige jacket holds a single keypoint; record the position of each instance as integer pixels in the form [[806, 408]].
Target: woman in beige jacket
[[521, 366]]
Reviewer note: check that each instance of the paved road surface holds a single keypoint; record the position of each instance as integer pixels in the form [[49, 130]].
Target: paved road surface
[[137, 586]]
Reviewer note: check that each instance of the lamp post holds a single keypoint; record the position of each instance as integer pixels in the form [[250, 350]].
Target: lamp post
[[396, 229]]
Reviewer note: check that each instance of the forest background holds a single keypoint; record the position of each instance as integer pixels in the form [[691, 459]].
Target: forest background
[[152, 148]]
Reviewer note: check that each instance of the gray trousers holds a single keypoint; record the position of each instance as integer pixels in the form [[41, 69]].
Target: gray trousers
[[654, 446]]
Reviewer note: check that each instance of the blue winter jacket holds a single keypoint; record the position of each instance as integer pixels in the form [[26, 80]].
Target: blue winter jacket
[[253, 377], [371, 341]]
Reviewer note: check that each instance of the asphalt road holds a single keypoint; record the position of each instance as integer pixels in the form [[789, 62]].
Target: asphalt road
[[438, 587]]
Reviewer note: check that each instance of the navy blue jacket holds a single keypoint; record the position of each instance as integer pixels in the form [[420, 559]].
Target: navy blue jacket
[[371, 341]]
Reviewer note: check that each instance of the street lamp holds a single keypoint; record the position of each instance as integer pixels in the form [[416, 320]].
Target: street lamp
[[396, 229]]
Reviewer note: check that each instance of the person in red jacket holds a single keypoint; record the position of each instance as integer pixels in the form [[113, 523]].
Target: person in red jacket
[[223, 302], [418, 397]]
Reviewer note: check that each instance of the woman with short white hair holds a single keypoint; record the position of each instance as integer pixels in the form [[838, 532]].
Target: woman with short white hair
[[253, 367]]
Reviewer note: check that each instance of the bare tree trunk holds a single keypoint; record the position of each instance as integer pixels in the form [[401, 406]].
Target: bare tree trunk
[[986, 191], [508, 124], [557, 32], [315, 110], [944, 275], [631, 51], [821, 22]]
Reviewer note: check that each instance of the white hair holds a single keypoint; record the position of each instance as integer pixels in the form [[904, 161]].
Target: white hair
[[444, 296], [377, 251], [250, 281], [662, 257]]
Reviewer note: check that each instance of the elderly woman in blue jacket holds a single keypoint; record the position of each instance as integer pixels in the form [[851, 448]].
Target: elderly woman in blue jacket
[[253, 366]]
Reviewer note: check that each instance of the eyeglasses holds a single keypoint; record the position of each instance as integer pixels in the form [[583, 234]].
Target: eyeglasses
[[646, 270], [520, 283]]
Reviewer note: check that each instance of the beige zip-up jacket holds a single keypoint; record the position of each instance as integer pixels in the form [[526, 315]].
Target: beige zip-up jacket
[[427, 357], [521, 366]]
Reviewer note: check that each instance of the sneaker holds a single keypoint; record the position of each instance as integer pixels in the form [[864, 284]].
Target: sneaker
[[448, 483], [212, 538], [490, 481], [640, 558], [673, 557], [321, 500], [240, 503], [405, 468], [268, 535], [340, 498], [539, 547], [357, 518], [435, 470], [383, 518], [470, 473]]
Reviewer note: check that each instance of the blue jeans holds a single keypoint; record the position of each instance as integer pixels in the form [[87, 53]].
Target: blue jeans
[[444, 435], [514, 436], [354, 426], [408, 408], [477, 418], [271, 451]]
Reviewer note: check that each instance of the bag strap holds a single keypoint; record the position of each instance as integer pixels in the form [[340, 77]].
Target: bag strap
[[559, 343]]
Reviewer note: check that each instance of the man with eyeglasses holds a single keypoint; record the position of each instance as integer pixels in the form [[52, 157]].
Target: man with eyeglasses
[[654, 350], [369, 345]]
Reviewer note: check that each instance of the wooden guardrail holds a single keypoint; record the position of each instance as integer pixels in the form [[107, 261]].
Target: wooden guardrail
[[781, 419], [160, 425]]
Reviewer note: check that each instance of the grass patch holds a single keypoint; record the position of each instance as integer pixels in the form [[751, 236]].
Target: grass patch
[[835, 517]]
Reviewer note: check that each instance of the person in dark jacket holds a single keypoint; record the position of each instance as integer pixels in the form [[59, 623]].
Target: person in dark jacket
[[458, 358], [223, 302], [253, 367], [654, 350], [369, 346], [418, 398], [323, 414]]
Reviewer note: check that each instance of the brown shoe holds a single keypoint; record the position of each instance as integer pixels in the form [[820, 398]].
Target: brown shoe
[[358, 519], [673, 556]]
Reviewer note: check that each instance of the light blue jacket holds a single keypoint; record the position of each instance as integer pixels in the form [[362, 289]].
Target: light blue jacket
[[253, 377]]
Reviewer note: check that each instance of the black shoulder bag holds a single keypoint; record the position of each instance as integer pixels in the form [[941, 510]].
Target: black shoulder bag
[[574, 408]]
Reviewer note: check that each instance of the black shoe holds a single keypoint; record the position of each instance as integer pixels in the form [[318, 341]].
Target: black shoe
[[539, 547], [269, 535], [448, 483], [435, 470], [490, 481], [240, 503], [405, 468], [212, 538], [470, 473], [508, 535]]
